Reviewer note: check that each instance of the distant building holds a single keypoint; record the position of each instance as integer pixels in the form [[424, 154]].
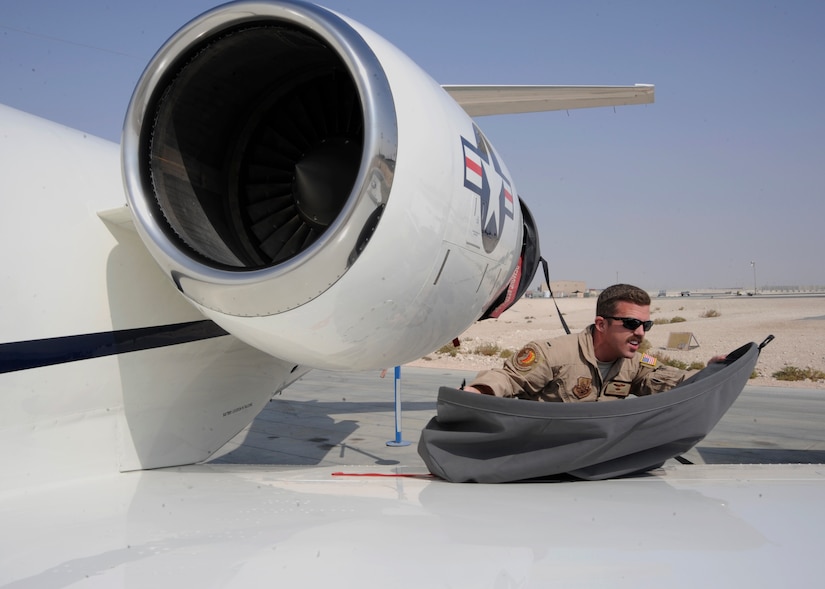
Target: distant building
[[565, 288]]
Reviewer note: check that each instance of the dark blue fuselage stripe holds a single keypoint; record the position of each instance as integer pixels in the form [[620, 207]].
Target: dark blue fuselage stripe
[[16, 356]]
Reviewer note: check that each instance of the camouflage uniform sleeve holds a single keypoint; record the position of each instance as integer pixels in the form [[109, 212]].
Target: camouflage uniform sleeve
[[523, 375]]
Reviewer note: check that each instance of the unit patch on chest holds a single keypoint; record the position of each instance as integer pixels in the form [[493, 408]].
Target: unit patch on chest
[[583, 387]]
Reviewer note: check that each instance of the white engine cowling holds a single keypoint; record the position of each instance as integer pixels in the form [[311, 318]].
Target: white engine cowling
[[315, 193]]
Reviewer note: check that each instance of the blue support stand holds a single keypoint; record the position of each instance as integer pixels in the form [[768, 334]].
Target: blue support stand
[[398, 441]]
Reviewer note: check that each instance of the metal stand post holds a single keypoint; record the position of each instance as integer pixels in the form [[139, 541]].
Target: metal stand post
[[398, 441]]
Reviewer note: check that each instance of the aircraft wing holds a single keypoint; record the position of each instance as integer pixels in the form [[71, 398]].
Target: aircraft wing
[[259, 526], [480, 101], [270, 511]]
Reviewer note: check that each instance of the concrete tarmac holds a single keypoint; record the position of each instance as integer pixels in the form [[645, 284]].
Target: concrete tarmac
[[347, 419]]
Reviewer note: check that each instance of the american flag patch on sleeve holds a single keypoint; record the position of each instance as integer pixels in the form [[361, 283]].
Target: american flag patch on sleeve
[[648, 360]]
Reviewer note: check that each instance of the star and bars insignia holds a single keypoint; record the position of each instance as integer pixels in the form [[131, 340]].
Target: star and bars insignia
[[484, 176]]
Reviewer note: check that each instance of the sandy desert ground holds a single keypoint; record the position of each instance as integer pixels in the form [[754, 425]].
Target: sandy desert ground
[[796, 321]]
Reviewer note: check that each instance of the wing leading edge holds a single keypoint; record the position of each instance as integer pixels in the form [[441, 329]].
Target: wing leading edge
[[498, 100]]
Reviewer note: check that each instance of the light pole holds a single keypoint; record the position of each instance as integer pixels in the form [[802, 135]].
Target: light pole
[[753, 265]]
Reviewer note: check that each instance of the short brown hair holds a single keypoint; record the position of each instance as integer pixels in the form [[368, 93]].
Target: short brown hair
[[618, 293]]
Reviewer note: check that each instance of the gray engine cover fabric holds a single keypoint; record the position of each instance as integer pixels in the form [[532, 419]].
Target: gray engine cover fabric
[[486, 439]]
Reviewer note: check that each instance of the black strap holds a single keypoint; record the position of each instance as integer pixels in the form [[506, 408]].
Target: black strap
[[766, 341], [547, 280]]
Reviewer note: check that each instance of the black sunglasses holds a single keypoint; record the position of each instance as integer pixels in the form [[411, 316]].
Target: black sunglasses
[[631, 323]]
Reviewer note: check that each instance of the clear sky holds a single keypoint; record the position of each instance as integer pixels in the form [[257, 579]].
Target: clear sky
[[726, 168]]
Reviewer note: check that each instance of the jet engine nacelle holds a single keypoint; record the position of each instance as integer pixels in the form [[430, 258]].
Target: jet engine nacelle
[[315, 193]]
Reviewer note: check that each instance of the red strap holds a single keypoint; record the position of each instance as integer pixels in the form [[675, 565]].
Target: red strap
[[381, 474]]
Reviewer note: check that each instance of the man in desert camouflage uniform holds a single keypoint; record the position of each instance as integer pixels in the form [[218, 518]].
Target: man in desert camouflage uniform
[[601, 363]]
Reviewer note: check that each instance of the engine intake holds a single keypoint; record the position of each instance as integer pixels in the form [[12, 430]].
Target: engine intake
[[248, 153]]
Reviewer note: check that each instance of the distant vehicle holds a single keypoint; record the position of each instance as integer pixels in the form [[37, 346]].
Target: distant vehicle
[[662, 293], [684, 293]]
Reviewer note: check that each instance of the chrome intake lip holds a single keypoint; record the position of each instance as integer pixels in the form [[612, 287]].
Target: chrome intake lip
[[244, 289]]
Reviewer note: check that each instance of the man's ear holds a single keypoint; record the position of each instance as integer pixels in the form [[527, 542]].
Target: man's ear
[[600, 323]]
